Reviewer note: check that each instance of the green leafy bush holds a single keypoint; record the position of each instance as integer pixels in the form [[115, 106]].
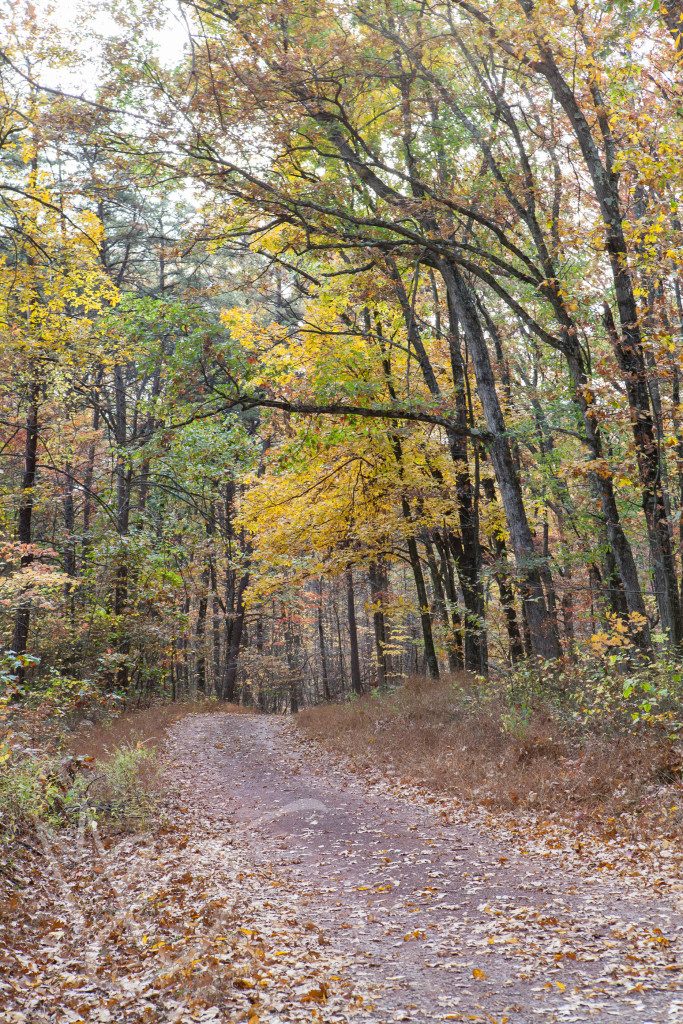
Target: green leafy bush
[[39, 788], [613, 692], [33, 789], [126, 785]]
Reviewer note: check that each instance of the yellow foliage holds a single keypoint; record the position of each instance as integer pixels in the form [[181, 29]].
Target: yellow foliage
[[53, 286]]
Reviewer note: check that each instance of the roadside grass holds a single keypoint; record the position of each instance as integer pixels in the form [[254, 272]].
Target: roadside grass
[[463, 738], [41, 789], [94, 739], [113, 763]]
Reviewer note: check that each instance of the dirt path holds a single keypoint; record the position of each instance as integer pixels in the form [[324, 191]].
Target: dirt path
[[425, 919], [280, 886]]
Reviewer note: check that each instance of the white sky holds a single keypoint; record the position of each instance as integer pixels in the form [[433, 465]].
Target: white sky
[[90, 16]]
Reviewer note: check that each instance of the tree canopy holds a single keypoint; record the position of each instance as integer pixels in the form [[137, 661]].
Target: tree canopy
[[340, 341]]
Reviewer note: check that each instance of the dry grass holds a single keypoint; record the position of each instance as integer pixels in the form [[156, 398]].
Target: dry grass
[[148, 725], [125, 760], [443, 737]]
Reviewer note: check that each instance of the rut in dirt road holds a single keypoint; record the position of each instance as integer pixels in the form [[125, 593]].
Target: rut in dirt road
[[441, 920]]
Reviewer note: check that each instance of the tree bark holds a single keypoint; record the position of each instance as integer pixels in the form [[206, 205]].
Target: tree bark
[[544, 639], [502, 576], [628, 345], [469, 561], [228, 693], [443, 546], [377, 578], [200, 631], [123, 477], [25, 515], [321, 640], [356, 681], [632, 365], [440, 600]]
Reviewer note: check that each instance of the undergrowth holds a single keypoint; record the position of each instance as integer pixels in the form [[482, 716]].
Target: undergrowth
[[123, 788], [563, 743], [616, 694], [67, 743], [49, 766]]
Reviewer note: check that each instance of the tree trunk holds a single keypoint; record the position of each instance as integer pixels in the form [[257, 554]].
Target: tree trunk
[[468, 559], [342, 672], [413, 554], [625, 573], [88, 481], [70, 552], [632, 364], [377, 577], [200, 631], [455, 633], [628, 345], [235, 641], [25, 516], [356, 682], [502, 576], [440, 599], [321, 639], [122, 522], [544, 639], [469, 563], [423, 601], [671, 12]]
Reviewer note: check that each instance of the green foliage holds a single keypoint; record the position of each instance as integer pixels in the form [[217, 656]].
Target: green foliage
[[40, 788], [612, 693], [40, 710], [30, 790], [10, 665], [125, 785], [38, 783], [516, 722]]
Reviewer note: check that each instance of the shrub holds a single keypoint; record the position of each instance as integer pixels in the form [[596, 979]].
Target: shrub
[[39, 788], [563, 740], [32, 789], [127, 784], [612, 693]]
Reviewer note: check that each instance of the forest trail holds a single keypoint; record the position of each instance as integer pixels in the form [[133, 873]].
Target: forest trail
[[427, 915]]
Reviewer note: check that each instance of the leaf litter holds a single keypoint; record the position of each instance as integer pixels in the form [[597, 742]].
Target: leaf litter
[[172, 926], [283, 886]]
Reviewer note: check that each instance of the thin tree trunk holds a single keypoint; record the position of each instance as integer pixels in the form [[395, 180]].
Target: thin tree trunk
[[628, 346], [468, 559], [122, 522], [356, 682], [321, 639], [455, 632], [88, 487], [469, 563], [377, 577], [25, 516], [423, 601], [624, 574], [502, 575], [440, 599], [235, 641], [342, 672], [200, 631], [632, 365], [425, 617], [70, 550]]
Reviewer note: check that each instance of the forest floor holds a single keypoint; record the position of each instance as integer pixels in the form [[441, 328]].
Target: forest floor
[[283, 885]]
